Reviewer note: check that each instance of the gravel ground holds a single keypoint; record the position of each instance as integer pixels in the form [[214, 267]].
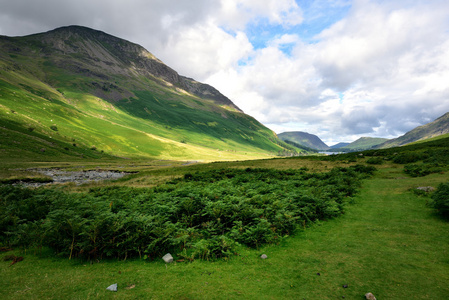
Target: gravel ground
[[78, 177]]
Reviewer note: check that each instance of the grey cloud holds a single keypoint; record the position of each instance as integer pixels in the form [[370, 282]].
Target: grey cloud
[[360, 121], [138, 20]]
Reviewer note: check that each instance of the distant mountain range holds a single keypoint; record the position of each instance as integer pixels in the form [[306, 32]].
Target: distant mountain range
[[362, 143], [339, 145], [75, 91], [434, 129]]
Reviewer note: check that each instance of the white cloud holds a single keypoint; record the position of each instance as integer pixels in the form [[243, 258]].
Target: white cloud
[[204, 49], [388, 62]]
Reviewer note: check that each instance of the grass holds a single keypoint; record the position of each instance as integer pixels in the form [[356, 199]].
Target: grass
[[388, 243]]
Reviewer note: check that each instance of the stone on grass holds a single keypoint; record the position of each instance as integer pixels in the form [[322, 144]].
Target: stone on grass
[[370, 296], [426, 189], [264, 256], [112, 287], [167, 258]]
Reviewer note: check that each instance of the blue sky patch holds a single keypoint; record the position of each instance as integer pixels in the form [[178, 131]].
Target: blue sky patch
[[318, 15]]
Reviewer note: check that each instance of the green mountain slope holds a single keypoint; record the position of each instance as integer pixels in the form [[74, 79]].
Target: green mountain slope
[[304, 139], [363, 143], [433, 129], [83, 89]]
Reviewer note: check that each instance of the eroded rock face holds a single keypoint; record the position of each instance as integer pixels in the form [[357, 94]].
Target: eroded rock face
[[101, 57]]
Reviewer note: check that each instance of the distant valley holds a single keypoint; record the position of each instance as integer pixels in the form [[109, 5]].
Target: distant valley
[[435, 129], [75, 92]]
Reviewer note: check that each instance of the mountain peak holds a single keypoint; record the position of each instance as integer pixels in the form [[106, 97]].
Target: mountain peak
[[99, 55]]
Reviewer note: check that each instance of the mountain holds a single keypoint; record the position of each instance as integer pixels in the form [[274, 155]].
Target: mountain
[[74, 89], [339, 145], [433, 129], [304, 139], [363, 143]]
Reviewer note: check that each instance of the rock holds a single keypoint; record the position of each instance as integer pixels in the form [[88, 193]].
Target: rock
[[264, 256], [426, 189], [167, 258], [370, 296], [112, 287]]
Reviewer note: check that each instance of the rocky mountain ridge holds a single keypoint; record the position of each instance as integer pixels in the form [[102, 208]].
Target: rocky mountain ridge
[[101, 56]]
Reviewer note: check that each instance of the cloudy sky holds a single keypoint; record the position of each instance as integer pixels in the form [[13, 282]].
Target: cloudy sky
[[339, 69]]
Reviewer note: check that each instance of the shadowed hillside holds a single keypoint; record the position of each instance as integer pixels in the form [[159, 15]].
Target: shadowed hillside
[[304, 139]]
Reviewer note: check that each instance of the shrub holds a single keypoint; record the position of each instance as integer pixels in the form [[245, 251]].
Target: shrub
[[441, 199], [420, 170], [409, 157], [374, 160], [202, 215]]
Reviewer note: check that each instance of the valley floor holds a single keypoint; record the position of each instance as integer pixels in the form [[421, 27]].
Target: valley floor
[[388, 243]]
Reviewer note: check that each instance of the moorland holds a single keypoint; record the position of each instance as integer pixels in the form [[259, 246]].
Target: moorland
[[331, 226]]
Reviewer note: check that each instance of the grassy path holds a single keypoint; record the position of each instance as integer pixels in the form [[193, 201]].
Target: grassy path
[[388, 243]]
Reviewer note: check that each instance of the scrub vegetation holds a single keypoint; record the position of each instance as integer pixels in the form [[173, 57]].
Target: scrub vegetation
[[202, 215], [331, 226]]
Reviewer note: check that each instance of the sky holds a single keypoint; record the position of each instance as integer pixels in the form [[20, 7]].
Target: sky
[[341, 69]]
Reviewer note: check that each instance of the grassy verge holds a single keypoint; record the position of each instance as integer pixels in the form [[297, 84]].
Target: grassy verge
[[388, 243]]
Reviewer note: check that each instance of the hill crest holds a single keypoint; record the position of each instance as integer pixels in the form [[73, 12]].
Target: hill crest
[[96, 54], [363, 143], [304, 139], [430, 130]]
